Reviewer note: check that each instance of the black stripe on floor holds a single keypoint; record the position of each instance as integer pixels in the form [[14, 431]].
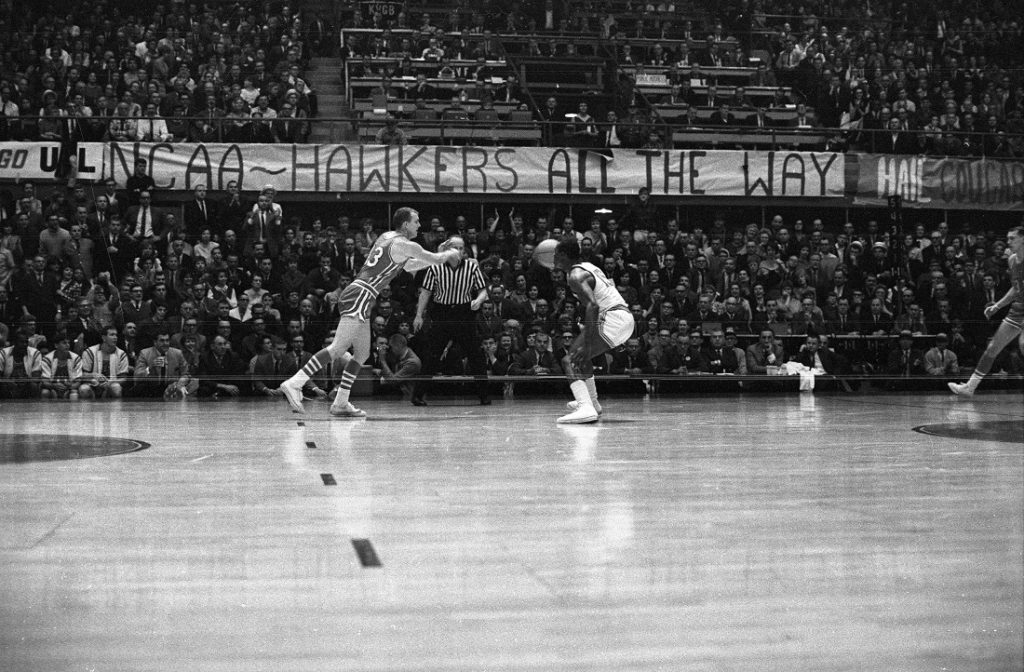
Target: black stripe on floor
[[310, 444], [328, 479], [367, 555]]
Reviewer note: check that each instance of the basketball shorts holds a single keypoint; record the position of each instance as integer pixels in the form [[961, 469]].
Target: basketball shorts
[[615, 326], [356, 301], [1015, 318]]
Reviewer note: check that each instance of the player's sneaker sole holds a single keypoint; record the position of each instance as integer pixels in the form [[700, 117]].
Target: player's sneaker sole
[[580, 416], [960, 389], [574, 405], [293, 397]]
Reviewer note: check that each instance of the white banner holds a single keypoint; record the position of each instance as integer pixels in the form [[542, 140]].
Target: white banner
[[478, 170], [38, 160]]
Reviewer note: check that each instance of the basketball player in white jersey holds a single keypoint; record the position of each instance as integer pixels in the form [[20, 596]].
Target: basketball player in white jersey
[[1012, 325], [607, 323], [391, 253]]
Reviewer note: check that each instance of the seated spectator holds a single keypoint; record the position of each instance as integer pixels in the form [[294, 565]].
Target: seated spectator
[[20, 368], [61, 371], [741, 356], [269, 369], [765, 353], [940, 360], [151, 127], [290, 125], [631, 360], [496, 362], [399, 365], [537, 360], [819, 359], [905, 360], [162, 371], [105, 368], [721, 357], [391, 134]]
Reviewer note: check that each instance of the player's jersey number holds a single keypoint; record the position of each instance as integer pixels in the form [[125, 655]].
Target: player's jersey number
[[375, 254]]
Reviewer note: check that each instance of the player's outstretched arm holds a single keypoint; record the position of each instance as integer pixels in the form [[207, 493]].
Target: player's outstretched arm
[[420, 258]]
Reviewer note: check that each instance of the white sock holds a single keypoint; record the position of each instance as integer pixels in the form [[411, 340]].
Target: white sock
[[592, 389], [579, 391], [299, 379], [974, 381]]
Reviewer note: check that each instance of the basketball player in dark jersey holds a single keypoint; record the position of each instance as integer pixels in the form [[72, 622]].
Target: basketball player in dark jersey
[[391, 253], [1012, 325]]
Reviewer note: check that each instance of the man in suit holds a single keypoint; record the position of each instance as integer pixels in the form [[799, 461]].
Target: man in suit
[[290, 125], [721, 358], [200, 213], [905, 361], [161, 370], [803, 118], [553, 125], [420, 89], [759, 119], [722, 116], [897, 141], [536, 361], [220, 370], [135, 309], [36, 291], [820, 360], [766, 352], [144, 220], [350, 260], [10, 309], [270, 370]]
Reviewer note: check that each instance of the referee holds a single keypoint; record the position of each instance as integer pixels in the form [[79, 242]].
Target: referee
[[453, 295]]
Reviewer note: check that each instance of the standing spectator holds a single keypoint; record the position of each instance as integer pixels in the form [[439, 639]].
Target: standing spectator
[[453, 296], [54, 239], [143, 220], [139, 182], [36, 290], [200, 213]]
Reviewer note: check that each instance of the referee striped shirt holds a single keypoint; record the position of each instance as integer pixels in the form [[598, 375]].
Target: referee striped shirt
[[454, 286]]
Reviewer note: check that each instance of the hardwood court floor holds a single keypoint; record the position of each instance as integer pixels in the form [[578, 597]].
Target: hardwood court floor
[[790, 533]]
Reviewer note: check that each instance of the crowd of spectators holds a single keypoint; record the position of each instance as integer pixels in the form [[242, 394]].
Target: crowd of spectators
[[179, 72], [230, 294], [940, 78]]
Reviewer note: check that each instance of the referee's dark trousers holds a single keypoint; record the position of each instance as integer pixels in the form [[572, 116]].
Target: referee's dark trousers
[[455, 323]]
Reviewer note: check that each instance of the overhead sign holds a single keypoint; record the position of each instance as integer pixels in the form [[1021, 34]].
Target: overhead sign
[[480, 170], [939, 182]]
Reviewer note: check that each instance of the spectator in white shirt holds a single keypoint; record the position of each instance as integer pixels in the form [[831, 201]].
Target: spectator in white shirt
[[151, 127]]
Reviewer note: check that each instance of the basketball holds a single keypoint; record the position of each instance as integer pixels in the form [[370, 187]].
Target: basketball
[[544, 253]]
